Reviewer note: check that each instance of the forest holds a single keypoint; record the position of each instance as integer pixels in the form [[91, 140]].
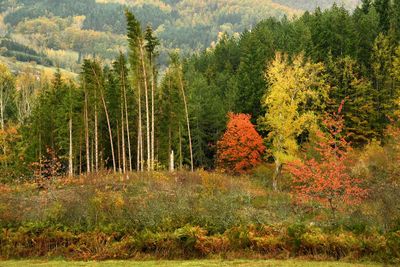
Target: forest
[[66, 31], [281, 142]]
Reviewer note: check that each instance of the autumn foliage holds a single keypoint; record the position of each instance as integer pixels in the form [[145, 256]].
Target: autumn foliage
[[241, 147], [326, 179]]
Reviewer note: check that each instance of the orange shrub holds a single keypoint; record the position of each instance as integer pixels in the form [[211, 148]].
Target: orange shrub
[[241, 147]]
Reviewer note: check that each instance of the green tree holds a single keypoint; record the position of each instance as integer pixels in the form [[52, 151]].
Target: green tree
[[385, 91], [383, 9], [347, 84], [7, 92], [151, 45]]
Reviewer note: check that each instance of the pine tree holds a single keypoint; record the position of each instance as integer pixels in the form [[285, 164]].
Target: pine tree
[[395, 19], [151, 45], [139, 68], [366, 5], [347, 84], [121, 72], [177, 65], [383, 9], [385, 92]]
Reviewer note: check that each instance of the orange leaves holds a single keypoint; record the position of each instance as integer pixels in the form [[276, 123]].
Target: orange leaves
[[327, 180], [241, 147]]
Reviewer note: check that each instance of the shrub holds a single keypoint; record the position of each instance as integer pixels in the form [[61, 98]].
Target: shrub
[[241, 147]]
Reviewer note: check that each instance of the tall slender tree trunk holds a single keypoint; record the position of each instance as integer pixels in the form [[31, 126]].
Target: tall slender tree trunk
[[92, 154], [70, 160], [123, 137], [147, 105], [187, 120], [118, 148], [140, 133], [108, 120], [87, 134], [96, 136], [109, 131], [170, 151], [138, 150], [180, 149], [126, 119], [80, 152], [40, 153], [70, 167], [153, 85]]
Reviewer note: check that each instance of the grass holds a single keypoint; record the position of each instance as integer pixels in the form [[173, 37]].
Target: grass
[[197, 263]]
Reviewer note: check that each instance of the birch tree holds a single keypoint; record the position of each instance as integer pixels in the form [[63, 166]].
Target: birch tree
[[295, 91]]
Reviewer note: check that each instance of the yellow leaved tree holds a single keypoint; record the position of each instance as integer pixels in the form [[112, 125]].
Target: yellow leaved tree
[[296, 91]]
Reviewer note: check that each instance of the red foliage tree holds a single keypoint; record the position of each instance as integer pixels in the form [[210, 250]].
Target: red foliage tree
[[241, 147], [327, 179]]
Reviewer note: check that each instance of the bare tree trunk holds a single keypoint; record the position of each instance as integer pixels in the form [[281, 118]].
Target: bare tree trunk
[[180, 149], [108, 120], [187, 120], [118, 148], [70, 167], [147, 106], [92, 155], [109, 131], [153, 85], [127, 120], [138, 150], [80, 152], [278, 169], [123, 137], [87, 134], [171, 162], [140, 134], [96, 136]]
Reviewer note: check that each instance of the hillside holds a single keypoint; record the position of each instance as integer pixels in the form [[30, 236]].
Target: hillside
[[62, 33]]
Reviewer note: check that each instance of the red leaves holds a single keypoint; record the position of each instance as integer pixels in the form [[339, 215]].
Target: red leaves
[[241, 147], [327, 179]]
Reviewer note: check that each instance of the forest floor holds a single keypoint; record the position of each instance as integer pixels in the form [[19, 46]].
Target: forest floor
[[196, 263]]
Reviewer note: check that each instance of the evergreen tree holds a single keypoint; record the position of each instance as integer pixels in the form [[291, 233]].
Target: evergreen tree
[[366, 5], [357, 92], [383, 9], [152, 43], [385, 92]]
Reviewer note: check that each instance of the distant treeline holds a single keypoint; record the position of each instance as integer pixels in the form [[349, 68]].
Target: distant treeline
[[10, 48]]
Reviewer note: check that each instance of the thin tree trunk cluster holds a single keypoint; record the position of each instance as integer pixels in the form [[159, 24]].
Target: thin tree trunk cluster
[[144, 85]]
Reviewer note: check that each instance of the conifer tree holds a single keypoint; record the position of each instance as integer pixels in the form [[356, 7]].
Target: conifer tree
[[139, 68], [151, 45], [383, 9], [347, 83], [385, 92]]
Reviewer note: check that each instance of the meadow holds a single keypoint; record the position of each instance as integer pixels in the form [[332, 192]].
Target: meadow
[[179, 216], [197, 263]]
